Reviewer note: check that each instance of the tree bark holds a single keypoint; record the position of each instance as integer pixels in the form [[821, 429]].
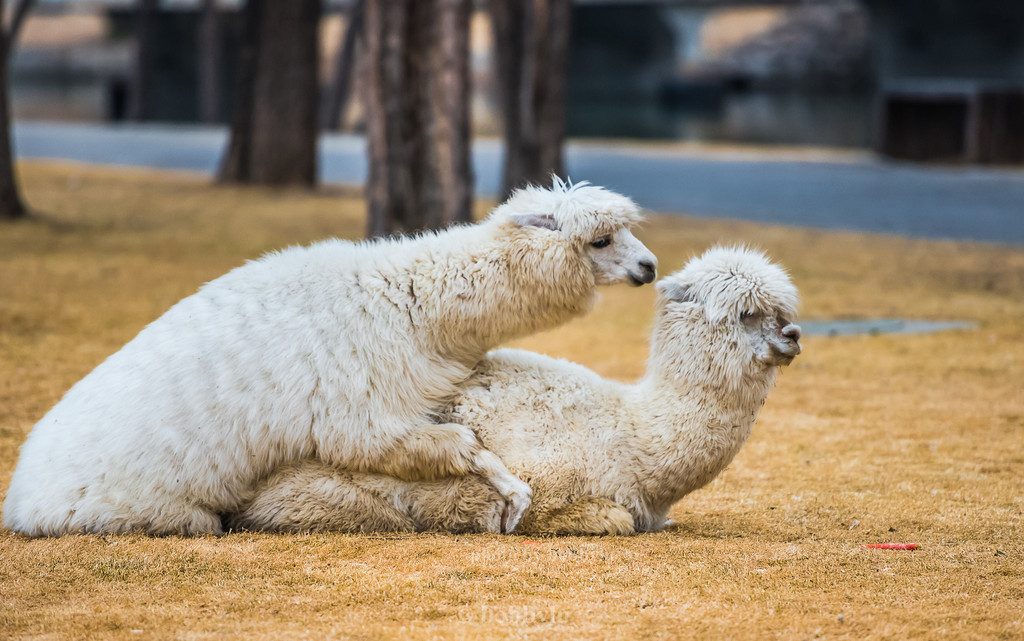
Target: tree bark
[[284, 146], [341, 82], [417, 110], [21, 11], [451, 100], [11, 204], [531, 49], [389, 186], [274, 123], [209, 61], [508, 24], [234, 165]]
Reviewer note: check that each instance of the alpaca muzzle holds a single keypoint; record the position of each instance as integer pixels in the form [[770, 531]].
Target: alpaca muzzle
[[788, 347], [646, 273]]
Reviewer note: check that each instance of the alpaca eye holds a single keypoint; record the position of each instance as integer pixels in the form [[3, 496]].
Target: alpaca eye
[[745, 316], [602, 242]]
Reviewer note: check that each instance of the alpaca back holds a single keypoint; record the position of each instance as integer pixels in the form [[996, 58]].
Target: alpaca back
[[550, 420]]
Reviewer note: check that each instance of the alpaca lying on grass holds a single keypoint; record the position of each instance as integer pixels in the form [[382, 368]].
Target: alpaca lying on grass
[[338, 351], [602, 457]]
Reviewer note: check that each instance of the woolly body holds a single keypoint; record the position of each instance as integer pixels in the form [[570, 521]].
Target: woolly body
[[602, 457], [338, 351]]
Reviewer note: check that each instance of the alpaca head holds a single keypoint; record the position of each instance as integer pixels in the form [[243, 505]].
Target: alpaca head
[[727, 315], [592, 220]]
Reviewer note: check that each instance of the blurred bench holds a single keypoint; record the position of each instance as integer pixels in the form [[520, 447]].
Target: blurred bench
[[951, 121]]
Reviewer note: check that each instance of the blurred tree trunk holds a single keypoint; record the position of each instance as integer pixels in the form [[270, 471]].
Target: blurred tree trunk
[[274, 122], [11, 204], [234, 165], [209, 61], [452, 93], [340, 89], [417, 111], [143, 92], [531, 52]]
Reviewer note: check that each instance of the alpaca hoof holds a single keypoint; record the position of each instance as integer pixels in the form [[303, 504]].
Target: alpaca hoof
[[516, 504]]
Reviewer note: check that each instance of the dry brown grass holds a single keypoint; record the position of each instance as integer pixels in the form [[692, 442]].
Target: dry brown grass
[[868, 439]]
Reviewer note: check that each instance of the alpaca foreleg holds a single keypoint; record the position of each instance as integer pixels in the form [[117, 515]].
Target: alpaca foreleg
[[466, 504], [441, 450]]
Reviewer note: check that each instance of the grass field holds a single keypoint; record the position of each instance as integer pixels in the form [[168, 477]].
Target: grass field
[[864, 440]]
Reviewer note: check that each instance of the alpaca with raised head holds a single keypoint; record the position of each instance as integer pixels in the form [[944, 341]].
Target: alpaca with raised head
[[602, 457], [341, 352]]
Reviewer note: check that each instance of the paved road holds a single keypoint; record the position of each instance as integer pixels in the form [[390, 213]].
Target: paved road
[[830, 191]]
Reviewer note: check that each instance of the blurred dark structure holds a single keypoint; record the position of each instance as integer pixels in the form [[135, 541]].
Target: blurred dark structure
[[620, 51], [209, 66], [640, 68], [950, 79], [952, 121], [173, 84]]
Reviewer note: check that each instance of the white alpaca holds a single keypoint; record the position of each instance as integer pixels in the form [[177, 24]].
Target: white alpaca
[[602, 457], [339, 351]]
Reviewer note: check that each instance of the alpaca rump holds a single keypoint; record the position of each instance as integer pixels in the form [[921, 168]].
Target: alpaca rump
[[338, 351], [602, 457]]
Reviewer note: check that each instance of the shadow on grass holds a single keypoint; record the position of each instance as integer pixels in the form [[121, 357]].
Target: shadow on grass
[[722, 527]]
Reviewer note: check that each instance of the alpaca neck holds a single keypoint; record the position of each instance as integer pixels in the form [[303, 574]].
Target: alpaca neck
[[512, 282], [696, 423]]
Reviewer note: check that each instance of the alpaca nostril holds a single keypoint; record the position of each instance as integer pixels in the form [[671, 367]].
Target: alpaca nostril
[[649, 270], [792, 332]]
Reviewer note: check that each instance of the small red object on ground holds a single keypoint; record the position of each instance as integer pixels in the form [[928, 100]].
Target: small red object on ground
[[529, 543], [892, 546]]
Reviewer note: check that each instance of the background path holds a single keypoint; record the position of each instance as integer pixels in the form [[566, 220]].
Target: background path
[[839, 190]]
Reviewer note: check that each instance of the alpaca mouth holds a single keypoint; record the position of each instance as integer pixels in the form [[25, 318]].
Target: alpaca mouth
[[779, 355], [776, 359], [648, 276]]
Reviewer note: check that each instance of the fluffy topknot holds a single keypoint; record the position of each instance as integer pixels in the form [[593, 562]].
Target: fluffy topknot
[[581, 211], [730, 281]]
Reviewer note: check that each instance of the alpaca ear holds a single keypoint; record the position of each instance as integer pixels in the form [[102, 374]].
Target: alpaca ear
[[544, 221], [676, 291]]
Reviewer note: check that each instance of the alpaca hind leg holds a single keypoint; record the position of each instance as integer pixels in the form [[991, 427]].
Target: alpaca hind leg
[[312, 496]]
